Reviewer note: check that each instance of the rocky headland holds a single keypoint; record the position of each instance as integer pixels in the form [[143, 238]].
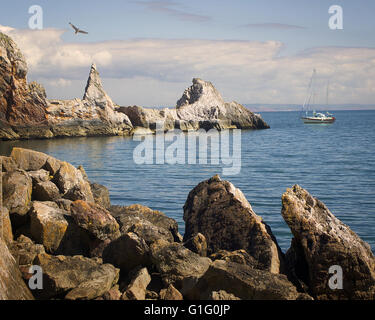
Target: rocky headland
[[26, 113], [55, 218]]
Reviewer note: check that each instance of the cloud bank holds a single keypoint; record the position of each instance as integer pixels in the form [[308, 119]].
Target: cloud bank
[[154, 72]]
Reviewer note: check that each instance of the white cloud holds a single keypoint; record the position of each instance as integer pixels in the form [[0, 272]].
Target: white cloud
[[155, 71]]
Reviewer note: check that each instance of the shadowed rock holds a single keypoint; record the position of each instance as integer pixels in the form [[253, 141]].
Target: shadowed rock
[[222, 214], [321, 241], [178, 265], [79, 277], [243, 282], [127, 252], [130, 216], [136, 290], [12, 286]]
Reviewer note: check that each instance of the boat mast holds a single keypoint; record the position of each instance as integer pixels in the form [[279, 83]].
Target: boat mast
[[308, 97]]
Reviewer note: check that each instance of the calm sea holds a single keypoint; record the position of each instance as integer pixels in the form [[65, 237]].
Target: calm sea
[[335, 163]]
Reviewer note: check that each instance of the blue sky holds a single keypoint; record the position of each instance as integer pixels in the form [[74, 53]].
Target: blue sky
[[298, 27]]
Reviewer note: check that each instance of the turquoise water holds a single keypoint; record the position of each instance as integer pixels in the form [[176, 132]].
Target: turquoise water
[[333, 162]]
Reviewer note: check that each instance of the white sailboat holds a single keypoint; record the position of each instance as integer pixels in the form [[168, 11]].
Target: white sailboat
[[316, 117]]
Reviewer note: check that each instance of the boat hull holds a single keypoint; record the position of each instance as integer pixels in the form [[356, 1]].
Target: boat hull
[[318, 121]]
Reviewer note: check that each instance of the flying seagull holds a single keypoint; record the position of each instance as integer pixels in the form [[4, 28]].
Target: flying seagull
[[77, 30]]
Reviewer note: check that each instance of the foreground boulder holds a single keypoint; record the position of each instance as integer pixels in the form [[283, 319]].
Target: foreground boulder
[[127, 252], [5, 225], [136, 290], [222, 214], [12, 286], [151, 224], [322, 241], [48, 225], [75, 277], [72, 183], [95, 219], [178, 265], [243, 282], [17, 189]]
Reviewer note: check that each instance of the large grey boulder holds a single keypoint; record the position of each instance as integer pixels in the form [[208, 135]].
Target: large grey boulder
[[219, 211], [322, 241]]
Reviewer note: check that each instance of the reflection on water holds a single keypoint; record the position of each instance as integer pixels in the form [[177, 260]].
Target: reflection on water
[[334, 162]]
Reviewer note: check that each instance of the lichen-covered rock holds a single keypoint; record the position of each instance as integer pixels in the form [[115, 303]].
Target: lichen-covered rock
[[95, 219], [128, 216], [72, 184], [17, 188], [222, 214], [28, 160], [7, 164], [100, 282], [46, 191], [127, 252], [237, 256], [101, 195], [75, 277], [39, 176], [12, 286], [24, 250], [171, 293], [47, 225], [243, 282], [321, 241], [222, 295], [5, 226], [178, 265], [197, 244], [136, 290]]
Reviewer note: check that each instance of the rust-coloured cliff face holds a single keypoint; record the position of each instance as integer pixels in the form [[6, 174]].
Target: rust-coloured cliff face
[[21, 104]]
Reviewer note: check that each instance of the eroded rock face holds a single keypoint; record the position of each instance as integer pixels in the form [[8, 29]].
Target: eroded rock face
[[321, 241], [95, 114], [12, 286], [222, 214], [20, 103], [202, 102]]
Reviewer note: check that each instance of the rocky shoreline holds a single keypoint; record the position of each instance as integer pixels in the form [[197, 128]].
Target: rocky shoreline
[[55, 218], [26, 113]]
